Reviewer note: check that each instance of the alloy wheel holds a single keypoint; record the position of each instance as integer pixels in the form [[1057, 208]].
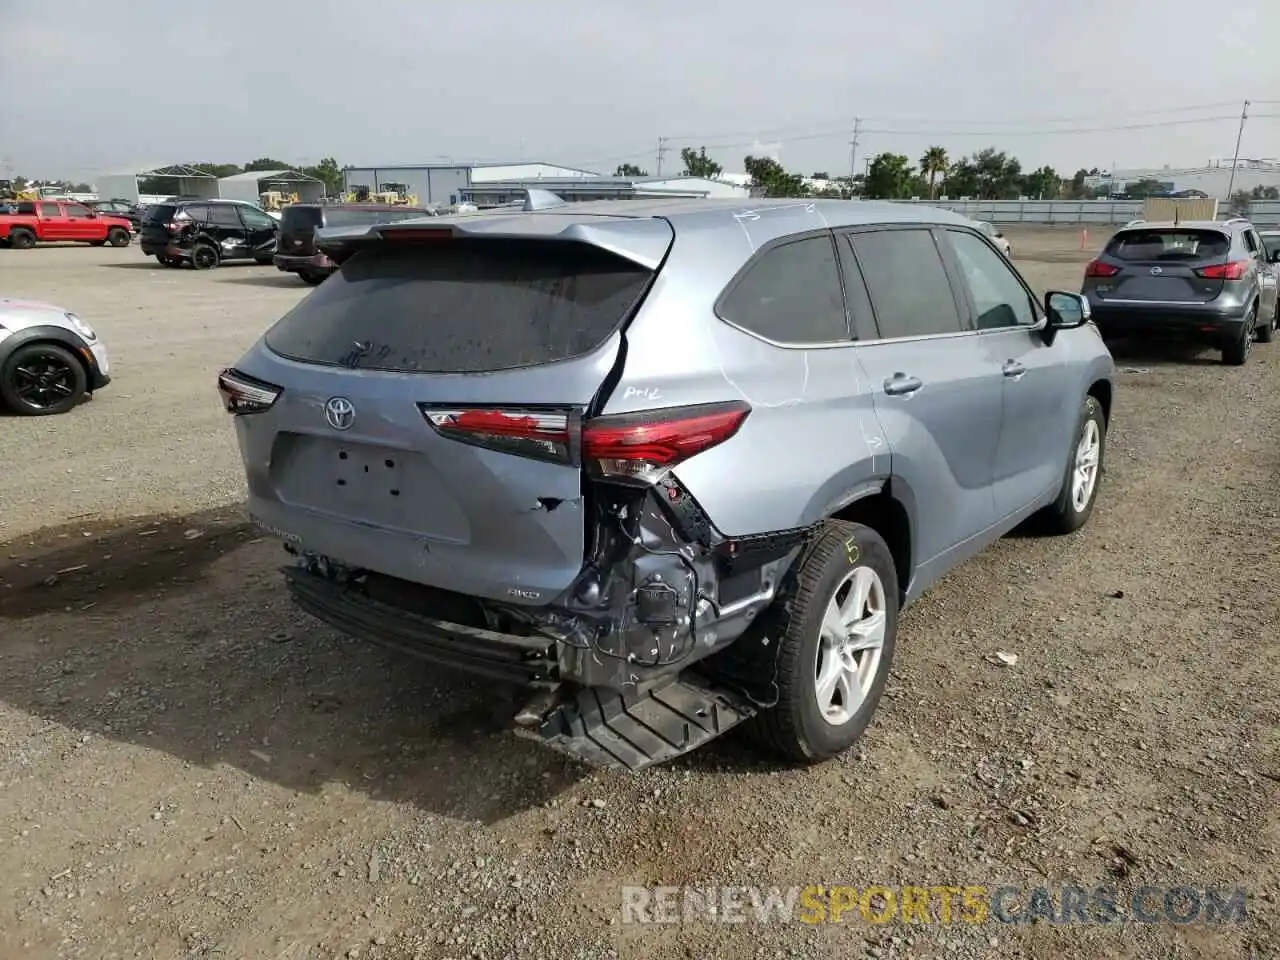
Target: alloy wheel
[[850, 643]]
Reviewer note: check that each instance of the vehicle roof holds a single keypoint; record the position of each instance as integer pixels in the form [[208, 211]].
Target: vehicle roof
[[375, 207], [1184, 225], [831, 213]]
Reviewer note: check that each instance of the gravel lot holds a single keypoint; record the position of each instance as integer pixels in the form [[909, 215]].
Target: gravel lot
[[189, 768]]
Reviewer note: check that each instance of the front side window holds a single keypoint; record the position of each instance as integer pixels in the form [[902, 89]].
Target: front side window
[[76, 210], [224, 215], [998, 296], [50, 210], [791, 294], [256, 220], [907, 283]]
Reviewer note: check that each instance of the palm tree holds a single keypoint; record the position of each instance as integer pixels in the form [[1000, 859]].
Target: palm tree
[[933, 163]]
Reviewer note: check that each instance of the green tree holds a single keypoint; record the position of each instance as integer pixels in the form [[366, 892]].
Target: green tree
[[889, 177], [1146, 187], [1240, 202], [328, 172], [1265, 193], [81, 188], [266, 163], [769, 177], [698, 164], [933, 164], [962, 179], [820, 175], [629, 170], [999, 175], [218, 170], [1042, 184]]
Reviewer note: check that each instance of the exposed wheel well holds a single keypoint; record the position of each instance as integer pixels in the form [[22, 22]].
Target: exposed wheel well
[[887, 517], [1102, 391]]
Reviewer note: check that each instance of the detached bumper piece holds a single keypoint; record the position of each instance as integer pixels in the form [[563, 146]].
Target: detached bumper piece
[[500, 656], [629, 732]]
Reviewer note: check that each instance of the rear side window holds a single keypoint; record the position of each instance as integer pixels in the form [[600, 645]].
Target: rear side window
[[198, 212], [224, 215], [998, 295], [1165, 245], [791, 295], [462, 306], [907, 282]]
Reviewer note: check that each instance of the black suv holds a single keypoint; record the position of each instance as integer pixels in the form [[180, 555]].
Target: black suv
[[118, 208], [296, 252], [205, 233]]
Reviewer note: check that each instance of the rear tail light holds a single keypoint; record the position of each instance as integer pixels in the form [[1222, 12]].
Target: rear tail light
[[639, 447], [1097, 268], [242, 393], [537, 434], [1232, 270], [644, 446]]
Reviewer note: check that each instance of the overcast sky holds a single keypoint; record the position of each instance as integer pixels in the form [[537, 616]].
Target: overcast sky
[[90, 86]]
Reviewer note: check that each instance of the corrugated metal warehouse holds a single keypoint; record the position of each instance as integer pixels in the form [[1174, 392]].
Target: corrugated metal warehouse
[[443, 183], [603, 188]]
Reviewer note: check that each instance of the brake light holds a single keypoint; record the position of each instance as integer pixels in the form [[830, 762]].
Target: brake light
[[242, 393], [537, 434], [1232, 270], [1097, 268], [644, 446]]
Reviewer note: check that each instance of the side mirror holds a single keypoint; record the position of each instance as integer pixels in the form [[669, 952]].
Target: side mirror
[[1066, 310]]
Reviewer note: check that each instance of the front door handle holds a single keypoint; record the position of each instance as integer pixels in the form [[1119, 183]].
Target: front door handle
[[901, 385], [1012, 368]]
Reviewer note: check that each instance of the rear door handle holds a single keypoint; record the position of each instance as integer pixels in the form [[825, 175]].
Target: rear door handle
[[1012, 368], [901, 385]]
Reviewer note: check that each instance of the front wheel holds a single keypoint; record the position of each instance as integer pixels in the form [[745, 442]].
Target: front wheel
[[1075, 503], [22, 239], [836, 644], [118, 237], [42, 379]]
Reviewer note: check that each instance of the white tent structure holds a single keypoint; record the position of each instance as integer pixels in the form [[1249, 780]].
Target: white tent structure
[[176, 180], [252, 185]]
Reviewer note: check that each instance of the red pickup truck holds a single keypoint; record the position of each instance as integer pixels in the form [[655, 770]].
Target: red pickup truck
[[53, 221]]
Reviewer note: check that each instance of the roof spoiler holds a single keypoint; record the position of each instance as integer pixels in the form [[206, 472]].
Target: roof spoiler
[[642, 240]]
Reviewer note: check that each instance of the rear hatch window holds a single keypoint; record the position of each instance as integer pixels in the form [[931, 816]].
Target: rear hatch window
[[462, 306], [1163, 246], [297, 219]]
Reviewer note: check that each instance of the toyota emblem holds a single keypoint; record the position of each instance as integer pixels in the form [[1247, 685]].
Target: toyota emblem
[[340, 413], [1156, 271]]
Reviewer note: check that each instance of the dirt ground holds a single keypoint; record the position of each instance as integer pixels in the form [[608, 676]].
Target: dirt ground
[[191, 768]]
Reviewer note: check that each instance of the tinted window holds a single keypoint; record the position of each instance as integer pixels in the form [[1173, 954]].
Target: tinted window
[[998, 295], [256, 219], [907, 283], [160, 212], [224, 215], [198, 212], [1249, 242], [791, 295], [297, 218], [26, 207], [50, 210], [1146, 245], [1271, 242], [75, 209], [463, 306]]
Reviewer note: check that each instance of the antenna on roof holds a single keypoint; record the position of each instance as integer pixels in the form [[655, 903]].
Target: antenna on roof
[[536, 199]]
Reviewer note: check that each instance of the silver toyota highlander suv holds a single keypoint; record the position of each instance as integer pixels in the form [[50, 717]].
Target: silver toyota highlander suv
[[672, 465]]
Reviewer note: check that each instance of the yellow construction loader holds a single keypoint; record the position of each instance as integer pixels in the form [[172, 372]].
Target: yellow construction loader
[[274, 200]]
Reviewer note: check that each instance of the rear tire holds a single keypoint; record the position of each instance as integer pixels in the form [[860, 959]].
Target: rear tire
[[1074, 505], [263, 261], [118, 237], [313, 279], [21, 239], [204, 256], [1267, 332], [1235, 354], [807, 725]]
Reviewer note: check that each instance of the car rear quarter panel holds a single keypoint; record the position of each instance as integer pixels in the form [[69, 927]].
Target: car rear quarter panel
[[811, 441]]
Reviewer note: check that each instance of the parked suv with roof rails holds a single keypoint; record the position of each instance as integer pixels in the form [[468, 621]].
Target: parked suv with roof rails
[[205, 233], [672, 465], [296, 251], [1208, 281]]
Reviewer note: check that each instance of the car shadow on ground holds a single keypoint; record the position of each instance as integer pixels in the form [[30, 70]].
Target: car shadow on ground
[[147, 264], [277, 279], [175, 634], [1134, 351]]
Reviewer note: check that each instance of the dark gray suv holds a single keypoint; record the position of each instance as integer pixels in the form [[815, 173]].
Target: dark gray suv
[[670, 463], [1209, 281]]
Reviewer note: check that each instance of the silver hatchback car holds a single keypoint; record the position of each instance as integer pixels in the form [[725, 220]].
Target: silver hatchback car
[[672, 465]]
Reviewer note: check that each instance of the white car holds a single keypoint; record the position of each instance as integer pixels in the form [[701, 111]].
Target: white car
[[996, 237], [49, 358]]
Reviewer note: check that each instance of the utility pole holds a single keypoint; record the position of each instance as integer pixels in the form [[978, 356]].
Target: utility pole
[[853, 148], [662, 152], [1235, 160]]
